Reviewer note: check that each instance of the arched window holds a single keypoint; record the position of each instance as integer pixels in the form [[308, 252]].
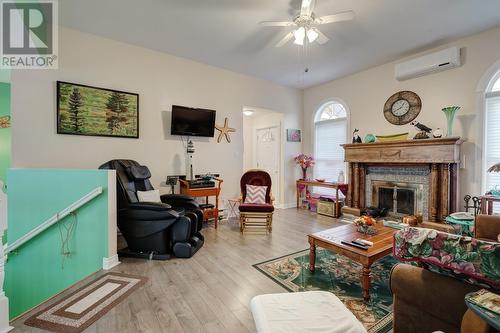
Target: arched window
[[496, 86], [330, 131], [492, 135]]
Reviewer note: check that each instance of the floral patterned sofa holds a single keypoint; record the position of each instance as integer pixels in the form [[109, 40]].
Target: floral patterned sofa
[[429, 294]]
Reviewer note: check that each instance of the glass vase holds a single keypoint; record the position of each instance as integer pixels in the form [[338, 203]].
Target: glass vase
[[450, 112], [304, 173]]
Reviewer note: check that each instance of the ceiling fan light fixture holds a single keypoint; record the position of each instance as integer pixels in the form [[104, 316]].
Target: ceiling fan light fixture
[[300, 35], [312, 35], [248, 112]]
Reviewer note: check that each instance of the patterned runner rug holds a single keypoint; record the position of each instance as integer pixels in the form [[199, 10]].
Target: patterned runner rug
[[341, 276], [83, 307]]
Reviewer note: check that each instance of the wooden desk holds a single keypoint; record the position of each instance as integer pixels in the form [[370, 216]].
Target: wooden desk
[[334, 186], [330, 239], [487, 203], [204, 192]]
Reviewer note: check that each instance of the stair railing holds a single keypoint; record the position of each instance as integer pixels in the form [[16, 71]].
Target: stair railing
[[53, 220], [6, 249]]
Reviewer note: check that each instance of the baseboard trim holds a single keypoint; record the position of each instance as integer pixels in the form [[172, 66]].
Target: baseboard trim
[[110, 262], [287, 205]]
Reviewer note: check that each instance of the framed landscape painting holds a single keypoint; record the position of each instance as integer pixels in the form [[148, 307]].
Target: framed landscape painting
[[86, 110]]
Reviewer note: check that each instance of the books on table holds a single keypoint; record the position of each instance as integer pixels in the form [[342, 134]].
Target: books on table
[[485, 299]]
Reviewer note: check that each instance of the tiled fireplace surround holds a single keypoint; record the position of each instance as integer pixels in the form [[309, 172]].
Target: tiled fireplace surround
[[399, 174]]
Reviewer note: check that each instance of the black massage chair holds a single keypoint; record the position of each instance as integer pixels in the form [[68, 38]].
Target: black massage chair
[[154, 230]]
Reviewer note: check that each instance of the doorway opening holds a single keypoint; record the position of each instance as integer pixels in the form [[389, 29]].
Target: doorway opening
[[263, 146]]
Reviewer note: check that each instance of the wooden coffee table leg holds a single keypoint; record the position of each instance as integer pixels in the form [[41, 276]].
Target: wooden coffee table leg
[[365, 282], [312, 255]]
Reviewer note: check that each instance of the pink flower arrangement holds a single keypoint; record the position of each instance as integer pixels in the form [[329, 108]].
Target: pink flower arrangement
[[305, 162]]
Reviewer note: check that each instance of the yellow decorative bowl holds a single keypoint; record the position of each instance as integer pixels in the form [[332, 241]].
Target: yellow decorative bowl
[[394, 137]]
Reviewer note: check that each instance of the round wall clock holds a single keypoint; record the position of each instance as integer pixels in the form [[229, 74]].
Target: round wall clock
[[402, 107]]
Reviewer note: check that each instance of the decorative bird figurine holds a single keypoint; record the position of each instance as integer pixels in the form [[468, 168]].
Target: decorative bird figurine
[[355, 136], [421, 127]]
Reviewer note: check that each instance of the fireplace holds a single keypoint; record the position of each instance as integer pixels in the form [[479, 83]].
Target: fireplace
[[421, 176], [399, 199]]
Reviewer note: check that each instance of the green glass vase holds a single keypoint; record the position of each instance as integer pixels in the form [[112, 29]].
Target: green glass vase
[[450, 112]]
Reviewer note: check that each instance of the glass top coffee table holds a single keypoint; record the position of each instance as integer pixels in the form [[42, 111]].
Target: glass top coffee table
[[331, 239]]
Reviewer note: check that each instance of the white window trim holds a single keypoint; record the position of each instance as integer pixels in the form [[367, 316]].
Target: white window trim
[[318, 109], [483, 90]]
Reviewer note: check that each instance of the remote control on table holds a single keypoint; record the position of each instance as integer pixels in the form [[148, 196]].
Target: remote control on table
[[362, 247]]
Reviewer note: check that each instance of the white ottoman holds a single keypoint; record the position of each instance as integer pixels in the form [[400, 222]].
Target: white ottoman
[[310, 311]]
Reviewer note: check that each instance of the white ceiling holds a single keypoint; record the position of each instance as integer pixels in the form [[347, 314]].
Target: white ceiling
[[226, 33]]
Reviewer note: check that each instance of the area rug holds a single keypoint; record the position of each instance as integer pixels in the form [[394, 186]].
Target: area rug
[[341, 276], [83, 307]]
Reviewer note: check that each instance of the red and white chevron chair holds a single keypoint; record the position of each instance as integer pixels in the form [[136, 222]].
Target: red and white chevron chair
[[256, 208]]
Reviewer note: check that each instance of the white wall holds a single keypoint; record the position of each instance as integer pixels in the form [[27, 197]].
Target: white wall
[[366, 92], [161, 80]]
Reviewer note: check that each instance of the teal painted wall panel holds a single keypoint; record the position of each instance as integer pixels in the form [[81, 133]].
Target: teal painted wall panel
[[37, 271], [5, 133]]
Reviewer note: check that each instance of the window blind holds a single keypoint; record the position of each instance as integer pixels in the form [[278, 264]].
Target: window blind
[[492, 143], [329, 154]]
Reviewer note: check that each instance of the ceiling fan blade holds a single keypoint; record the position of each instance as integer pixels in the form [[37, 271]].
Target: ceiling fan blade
[[322, 39], [276, 23], [285, 39], [339, 17], [307, 7]]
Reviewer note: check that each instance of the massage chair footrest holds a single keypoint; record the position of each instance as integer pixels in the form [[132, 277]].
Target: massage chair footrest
[[127, 253], [189, 248]]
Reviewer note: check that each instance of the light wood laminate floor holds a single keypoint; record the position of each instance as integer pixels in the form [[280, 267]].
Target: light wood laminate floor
[[210, 292]]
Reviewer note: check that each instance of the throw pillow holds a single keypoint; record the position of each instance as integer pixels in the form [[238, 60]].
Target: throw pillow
[[149, 196], [256, 194]]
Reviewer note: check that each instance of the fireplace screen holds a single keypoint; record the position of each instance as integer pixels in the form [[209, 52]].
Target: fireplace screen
[[399, 199]]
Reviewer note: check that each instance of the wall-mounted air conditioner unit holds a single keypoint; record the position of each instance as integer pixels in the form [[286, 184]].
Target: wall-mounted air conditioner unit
[[427, 64]]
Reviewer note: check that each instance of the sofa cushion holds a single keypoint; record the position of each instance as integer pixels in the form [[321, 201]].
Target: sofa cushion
[[256, 208], [471, 260], [256, 194]]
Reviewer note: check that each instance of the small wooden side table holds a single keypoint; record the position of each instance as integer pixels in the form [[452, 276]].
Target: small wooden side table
[[487, 203], [204, 192]]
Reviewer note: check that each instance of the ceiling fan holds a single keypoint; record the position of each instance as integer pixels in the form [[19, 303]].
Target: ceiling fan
[[305, 23]]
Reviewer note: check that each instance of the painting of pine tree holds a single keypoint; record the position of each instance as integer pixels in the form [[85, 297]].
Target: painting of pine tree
[[85, 110], [117, 106], [75, 102]]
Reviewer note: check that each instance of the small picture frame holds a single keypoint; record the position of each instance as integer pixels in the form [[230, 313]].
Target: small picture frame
[[293, 135]]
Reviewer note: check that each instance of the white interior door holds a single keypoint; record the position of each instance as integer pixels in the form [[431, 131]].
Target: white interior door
[[267, 153]]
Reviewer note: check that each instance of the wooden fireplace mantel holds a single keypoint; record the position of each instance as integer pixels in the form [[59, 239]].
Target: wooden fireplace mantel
[[445, 150], [442, 156]]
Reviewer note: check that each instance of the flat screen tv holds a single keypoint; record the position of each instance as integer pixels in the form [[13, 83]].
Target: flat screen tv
[[192, 122]]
